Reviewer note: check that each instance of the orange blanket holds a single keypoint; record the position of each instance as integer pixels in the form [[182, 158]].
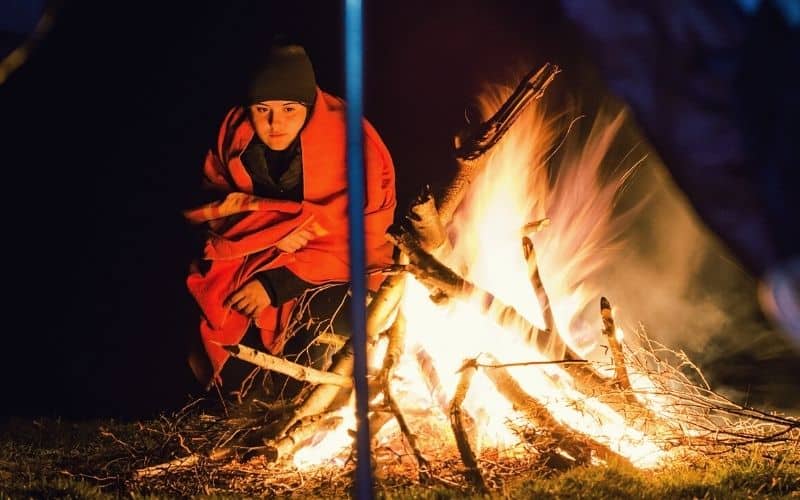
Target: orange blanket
[[244, 228]]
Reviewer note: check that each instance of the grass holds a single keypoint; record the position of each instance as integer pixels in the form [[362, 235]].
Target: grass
[[57, 459]]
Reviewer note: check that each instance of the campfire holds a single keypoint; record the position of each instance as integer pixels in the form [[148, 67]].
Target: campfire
[[491, 337]]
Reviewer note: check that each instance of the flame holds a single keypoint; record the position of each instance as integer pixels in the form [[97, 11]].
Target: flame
[[515, 188]]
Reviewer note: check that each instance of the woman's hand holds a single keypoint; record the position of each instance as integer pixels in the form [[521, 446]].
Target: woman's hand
[[251, 299], [295, 241]]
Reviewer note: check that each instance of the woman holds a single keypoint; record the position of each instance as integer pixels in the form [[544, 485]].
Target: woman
[[279, 225]]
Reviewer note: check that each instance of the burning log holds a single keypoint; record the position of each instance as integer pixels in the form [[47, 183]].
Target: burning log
[[393, 353], [570, 440], [397, 335], [301, 431], [431, 378], [610, 331], [538, 286], [472, 143], [280, 365], [472, 471]]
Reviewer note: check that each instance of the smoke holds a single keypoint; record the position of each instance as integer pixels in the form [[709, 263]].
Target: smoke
[[674, 276]]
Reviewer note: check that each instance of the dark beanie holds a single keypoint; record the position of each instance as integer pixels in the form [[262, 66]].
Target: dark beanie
[[285, 75]]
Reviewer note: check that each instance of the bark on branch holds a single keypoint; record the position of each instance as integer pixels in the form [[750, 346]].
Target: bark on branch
[[280, 365]]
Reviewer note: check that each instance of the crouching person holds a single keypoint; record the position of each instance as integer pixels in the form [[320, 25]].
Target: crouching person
[[274, 270]]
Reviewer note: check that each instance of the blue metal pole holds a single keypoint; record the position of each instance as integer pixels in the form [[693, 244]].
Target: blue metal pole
[[353, 31]]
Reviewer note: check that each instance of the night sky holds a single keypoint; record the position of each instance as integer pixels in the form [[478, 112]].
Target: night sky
[[104, 131]]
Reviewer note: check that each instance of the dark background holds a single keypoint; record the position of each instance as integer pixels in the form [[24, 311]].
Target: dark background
[[104, 132]]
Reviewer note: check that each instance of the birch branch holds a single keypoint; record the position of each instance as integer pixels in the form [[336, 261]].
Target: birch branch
[[280, 365]]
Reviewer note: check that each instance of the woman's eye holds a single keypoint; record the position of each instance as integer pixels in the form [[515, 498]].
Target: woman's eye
[[289, 109]]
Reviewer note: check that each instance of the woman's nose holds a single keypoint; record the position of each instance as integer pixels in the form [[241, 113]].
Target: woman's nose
[[273, 119]]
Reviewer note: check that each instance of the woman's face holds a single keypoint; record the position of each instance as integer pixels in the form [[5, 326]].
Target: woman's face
[[277, 123]]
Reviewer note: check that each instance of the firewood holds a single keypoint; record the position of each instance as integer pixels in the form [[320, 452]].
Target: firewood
[[472, 470], [393, 353], [167, 467], [280, 365], [384, 305], [299, 432], [323, 395], [610, 331], [538, 287], [472, 143], [424, 219], [430, 376]]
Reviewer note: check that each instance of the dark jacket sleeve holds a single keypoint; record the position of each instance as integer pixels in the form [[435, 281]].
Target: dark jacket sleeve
[[282, 285]]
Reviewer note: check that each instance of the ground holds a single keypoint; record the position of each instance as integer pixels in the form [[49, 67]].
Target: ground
[[96, 459]]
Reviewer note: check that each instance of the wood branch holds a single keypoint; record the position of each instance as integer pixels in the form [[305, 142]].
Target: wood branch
[[610, 331], [397, 338], [377, 419], [394, 350], [384, 305], [454, 193], [430, 376], [586, 377], [301, 431], [426, 222], [440, 279], [538, 287], [472, 143], [182, 463], [175, 465], [323, 395], [332, 339], [472, 471], [571, 440], [280, 365]]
